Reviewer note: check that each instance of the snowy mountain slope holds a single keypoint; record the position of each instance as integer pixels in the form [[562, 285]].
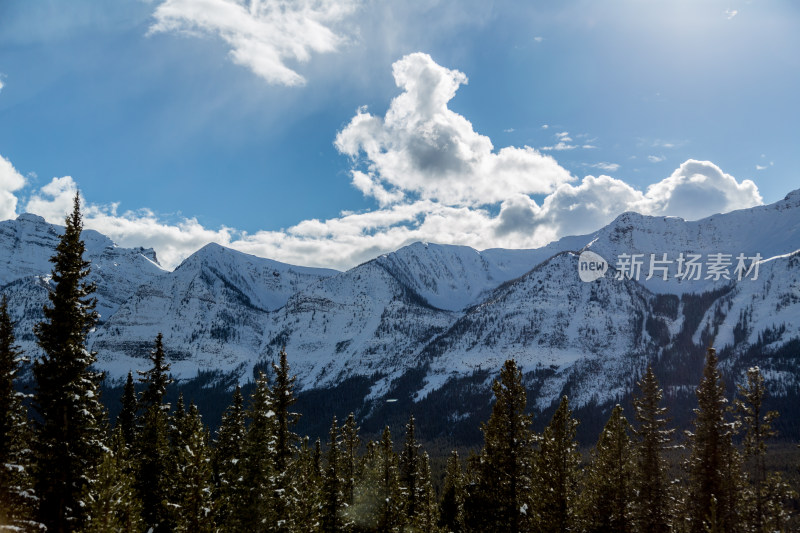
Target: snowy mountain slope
[[212, 310], [360, 322], [27, 243], [443, 313], [455, 277], [549, 319]]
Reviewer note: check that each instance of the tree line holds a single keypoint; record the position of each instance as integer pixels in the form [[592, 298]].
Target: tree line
[[65, 467]]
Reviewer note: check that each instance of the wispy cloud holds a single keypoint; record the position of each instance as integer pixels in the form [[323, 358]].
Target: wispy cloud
[[262, 35], [656, 158], [730, 13], [608, 167]]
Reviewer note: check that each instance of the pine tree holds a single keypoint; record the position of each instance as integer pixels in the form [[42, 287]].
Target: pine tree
[[259, 458], [557, 469], [111, 502], [229, 466], [607, 495], [285, 445], [126, 420], [653, 504], [501, 499], [451, 508], [282, 400], [152, 449], [71, 429], [714, 465], [309, 483], [427, 516], [16, 489], [410, 489], [350, 445], [376, 506], [332, 494], [193, 480], [757, 427]]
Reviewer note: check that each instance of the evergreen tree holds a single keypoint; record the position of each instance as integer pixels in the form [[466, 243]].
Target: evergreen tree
[[16, 490], [111, 502], [451, 508], [283, 398], [259, 459], [410, 484], [557, 469], [714, 465], [376, 507], [427, 516], [71, 427], [350, 445], [309, 483], [193, 474], [653, 504], [153, 480], [757, 430], [229, 467], [126, 420], [332, 494], [501, 499], [607, 494]]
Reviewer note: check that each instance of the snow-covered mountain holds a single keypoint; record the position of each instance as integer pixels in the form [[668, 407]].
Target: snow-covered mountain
[[427, 317]]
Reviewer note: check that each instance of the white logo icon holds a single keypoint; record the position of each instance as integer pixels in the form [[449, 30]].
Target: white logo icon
[[591, 266]]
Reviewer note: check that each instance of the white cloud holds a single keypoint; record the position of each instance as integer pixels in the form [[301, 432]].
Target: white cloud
[[761, 167], [1, 83], [421, 147], [730, 13], [694, 190], [700, 188], [538, 39], [10, 181], [656, 158], [608, 167], [262, 35]]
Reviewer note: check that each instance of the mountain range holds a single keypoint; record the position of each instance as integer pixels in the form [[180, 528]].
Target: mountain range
[[428, 326]]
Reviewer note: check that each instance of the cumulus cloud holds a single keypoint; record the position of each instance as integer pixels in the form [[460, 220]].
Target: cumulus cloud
[[262, 35], [700, 188], [434, 179], [10, 181], [423, 148]]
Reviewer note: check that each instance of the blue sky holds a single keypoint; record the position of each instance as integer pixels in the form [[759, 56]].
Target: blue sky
[[324, 133]]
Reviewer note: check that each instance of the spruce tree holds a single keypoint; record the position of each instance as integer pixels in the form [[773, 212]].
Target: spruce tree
[[332, 494], [228, 461], [714, 465], [193, 474], [653, 505], [757, 425], [285, 444], [350, 445], [309, 484], [152, 449], [70, 431], [126, 420], [501, 499], [607, 496], [557, 469], [16, 490], [409, 467], [451, 507], [259, 458], [376, 507], [427, 515], [111, 502]]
